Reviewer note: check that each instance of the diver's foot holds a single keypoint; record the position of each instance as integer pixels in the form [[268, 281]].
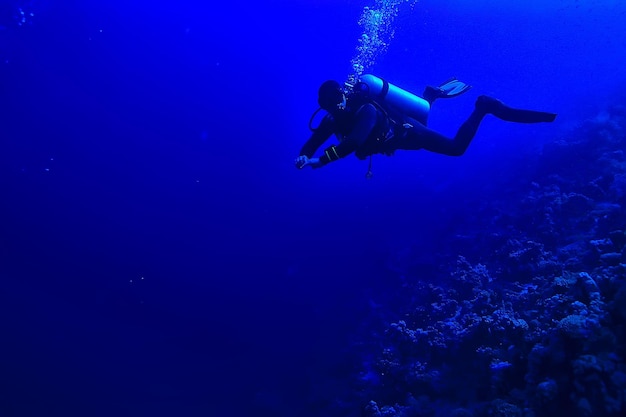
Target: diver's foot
[[489, 105], [447, 89], [431, 93]]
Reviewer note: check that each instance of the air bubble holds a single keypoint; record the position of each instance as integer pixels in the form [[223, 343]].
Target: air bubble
[[378, 31]]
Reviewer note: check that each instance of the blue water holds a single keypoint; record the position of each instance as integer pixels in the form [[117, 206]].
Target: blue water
[[160, 255]]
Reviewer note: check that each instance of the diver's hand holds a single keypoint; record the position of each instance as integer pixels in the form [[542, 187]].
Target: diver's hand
[[304, 160]]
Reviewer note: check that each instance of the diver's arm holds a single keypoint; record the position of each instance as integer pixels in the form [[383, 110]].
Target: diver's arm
[[365, 122], [319, 136]]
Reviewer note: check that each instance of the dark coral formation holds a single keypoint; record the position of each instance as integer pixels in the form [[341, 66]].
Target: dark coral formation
[[536, 327]]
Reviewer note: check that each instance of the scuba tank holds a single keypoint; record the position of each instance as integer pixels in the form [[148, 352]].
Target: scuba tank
[[388, 95]]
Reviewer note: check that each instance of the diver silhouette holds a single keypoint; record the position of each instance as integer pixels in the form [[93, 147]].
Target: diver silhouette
[[376, 117]]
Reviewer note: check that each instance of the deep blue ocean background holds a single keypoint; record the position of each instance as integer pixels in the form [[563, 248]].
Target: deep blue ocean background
[[159, 253]]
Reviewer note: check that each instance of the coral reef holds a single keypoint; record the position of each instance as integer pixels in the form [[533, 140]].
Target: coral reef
[[536, 327]]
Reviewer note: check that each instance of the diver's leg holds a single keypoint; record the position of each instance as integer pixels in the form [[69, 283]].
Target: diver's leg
[[420, 137], [502, 111]]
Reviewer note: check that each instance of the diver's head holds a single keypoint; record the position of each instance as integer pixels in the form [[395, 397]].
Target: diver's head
[[331, 96]]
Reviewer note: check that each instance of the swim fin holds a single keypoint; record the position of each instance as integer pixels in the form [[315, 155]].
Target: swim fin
[[486, 104], [447, 89]]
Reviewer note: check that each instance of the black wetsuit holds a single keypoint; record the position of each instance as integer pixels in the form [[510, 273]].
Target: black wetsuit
[[361, 129], [365, 129]]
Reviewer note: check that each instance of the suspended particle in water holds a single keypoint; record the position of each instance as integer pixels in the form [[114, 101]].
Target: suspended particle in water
[[23, 17]]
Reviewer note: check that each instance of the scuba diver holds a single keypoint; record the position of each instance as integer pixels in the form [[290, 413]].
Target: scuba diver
[[376, 117]]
